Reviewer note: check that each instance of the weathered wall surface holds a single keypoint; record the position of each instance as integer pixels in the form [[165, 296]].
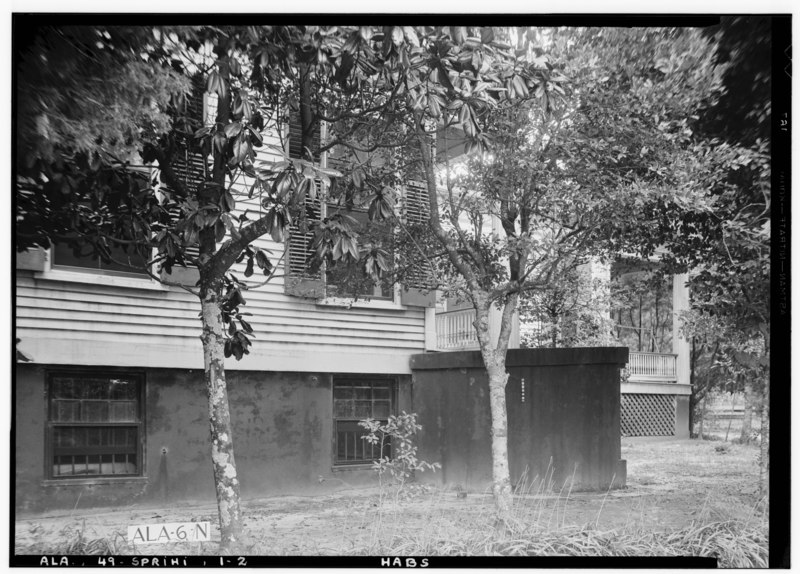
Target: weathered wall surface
[[567, 423], [282, 435]]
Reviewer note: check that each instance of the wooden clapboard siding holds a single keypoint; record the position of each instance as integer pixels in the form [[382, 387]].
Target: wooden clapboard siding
[[65, 322]]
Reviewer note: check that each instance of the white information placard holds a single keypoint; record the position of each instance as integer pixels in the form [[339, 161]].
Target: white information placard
[[170, 532]]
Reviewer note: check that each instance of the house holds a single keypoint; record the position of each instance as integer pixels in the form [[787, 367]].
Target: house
[[110, 406]]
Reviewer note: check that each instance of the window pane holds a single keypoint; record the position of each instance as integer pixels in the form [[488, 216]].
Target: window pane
[[63, 388], [123, 411], [343, 409], [94, 411], [340, 392], [381, 409], [381, 392], [363, 409], [63, 255], [130, 262], [65, 411], [122, 389], [93, 388], [124, 437]]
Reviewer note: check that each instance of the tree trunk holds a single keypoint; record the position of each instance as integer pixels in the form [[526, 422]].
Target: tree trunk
[[747, 420], [702, 417], [692, 383], [763, 457], [225, 476], [639, 348], [495, 362]]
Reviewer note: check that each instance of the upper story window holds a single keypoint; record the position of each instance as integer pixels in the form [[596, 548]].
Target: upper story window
[[350, 279], [123, 263], [94, 424]]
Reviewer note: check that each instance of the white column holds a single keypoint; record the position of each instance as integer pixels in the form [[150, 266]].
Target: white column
[[431, 343], [680, 346]]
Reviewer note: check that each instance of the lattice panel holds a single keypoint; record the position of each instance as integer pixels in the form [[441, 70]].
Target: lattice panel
[[648, 415]]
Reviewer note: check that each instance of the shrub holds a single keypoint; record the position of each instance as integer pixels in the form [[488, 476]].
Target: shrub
[[399, 432]]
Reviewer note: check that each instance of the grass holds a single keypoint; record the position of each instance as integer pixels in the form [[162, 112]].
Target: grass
[[685, 498], [734, 544]]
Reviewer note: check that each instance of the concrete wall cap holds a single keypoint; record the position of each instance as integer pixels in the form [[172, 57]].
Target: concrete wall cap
[[524, 357]]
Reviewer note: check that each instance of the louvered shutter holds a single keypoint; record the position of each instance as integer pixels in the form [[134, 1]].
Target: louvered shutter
[[189, 166], [298, 280], [417, 287]]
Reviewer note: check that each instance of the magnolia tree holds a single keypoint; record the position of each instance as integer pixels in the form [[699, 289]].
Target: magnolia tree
[[597, 150]]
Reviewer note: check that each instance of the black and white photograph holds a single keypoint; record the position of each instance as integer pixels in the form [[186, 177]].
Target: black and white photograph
[[334, 290]]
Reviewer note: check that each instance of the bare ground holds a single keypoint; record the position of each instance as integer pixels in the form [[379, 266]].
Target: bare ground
[[671, 484]]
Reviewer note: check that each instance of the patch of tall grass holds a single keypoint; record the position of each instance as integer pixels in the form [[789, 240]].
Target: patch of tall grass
[[734, 544], [538, 527]]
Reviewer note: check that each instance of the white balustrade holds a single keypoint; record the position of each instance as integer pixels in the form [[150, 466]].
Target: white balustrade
[[454, 330], [652, 366]]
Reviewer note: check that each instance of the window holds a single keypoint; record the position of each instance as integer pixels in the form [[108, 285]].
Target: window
[[350, 279], [356, 399], [122, 262], [94, 425]]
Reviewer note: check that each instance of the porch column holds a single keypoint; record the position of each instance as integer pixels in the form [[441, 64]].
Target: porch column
[[431, 336], [680, 346]]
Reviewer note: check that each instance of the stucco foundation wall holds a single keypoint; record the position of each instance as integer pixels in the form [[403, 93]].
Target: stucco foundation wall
[[567, 424], [282, 425]]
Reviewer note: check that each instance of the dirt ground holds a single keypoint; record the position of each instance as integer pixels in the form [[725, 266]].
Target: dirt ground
[[671, 483]]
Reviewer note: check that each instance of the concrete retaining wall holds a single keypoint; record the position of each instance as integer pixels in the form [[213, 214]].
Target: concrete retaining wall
[[282, 427]]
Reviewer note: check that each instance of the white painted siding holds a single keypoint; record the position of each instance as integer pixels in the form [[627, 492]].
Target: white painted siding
[[85, 323]]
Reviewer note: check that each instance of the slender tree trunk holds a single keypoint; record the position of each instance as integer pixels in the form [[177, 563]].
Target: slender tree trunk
[[747, 420], [702, 417], [764, 450], [225, 476], [692, 383], [640, 324], [495, 362], [226, 481], [764, 445]]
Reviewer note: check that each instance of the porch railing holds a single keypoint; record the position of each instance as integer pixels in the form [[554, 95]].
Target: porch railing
[[454, 330], [648, 367]]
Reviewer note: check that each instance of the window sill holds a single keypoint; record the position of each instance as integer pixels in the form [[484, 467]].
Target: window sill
[[93, 481], [360, 304], [101, 279], [348, 467]]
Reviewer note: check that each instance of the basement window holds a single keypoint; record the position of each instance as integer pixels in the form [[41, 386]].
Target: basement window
[[356, 399], [94, 426]]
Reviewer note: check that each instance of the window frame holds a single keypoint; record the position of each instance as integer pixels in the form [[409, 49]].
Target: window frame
[[393, 400], [95, 277], [138, 274], [330, 287], [51, 425]]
